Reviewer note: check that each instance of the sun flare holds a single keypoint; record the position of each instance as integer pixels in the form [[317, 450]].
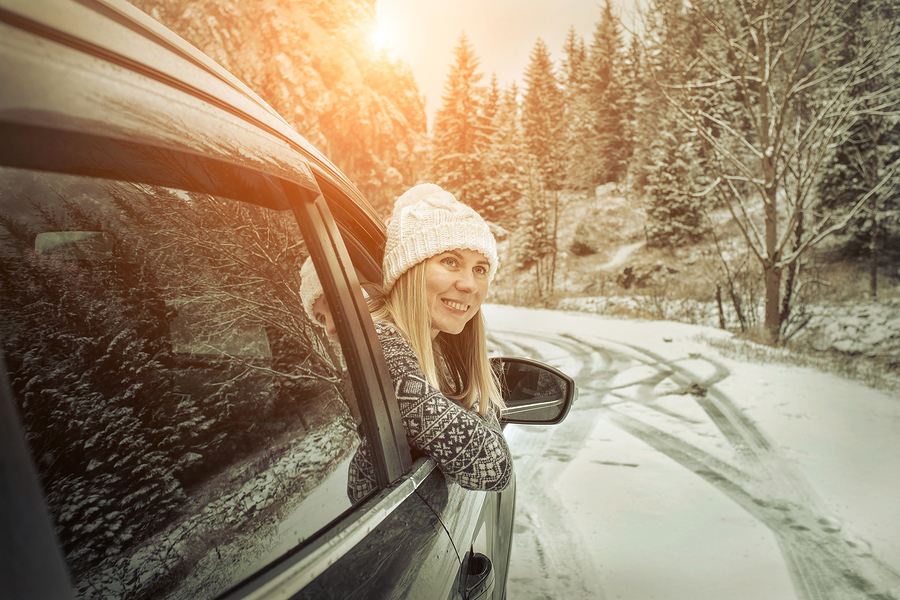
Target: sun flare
[[381, 39]]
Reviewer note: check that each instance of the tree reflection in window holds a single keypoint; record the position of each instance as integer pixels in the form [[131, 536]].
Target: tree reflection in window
[[178, 401]]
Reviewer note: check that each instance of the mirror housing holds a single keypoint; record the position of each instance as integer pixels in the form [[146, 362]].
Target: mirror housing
[[535, 393]]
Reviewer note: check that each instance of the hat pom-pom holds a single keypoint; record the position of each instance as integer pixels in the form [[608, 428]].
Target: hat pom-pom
[[415, 194]]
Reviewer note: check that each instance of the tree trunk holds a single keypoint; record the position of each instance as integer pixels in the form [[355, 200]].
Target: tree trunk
[[873, 256], [738, 307], [552, 283], [793, 273], [719, 304], [772, 276], [771, 271]]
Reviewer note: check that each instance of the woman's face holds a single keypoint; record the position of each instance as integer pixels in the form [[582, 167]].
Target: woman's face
[[456, 283], [322, 313]]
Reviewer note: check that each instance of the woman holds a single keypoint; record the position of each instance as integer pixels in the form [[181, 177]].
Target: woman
[[439, 260], [316, 305], [314, 302]]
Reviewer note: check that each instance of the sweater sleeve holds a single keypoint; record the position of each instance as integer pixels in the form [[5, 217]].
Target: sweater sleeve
[[361, 475], [468, 447]]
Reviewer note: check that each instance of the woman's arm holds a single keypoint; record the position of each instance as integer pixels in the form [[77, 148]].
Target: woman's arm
[[468, 447], [361, 475]]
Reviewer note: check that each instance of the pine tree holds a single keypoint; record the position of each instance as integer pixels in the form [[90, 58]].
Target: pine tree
[[669, 164], [673, 214], [479, 192], [502, 162], [544, 131], [461, 129], [492, 97], [580, 174], [631, 81], [645, 108], [869, 149], [607, 131], [543, 118]]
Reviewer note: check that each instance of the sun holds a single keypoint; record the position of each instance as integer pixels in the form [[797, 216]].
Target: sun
[[381, 38]]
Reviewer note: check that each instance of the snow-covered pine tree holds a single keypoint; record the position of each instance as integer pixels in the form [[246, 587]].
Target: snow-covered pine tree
[[608, 145], [869, 149], [649, 113], [574, 75], [668, 162], [480, 191], [544, 131], [631, 82], [461, 128], [674, 216], [315, 64], [492, 97], [501, 162]]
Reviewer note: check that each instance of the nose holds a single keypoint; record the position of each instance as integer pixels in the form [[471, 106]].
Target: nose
[[465, 282], [330, 327]]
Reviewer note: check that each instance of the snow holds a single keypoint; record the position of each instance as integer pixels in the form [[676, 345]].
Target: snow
[[245, 538], [681, 473], [844, 438], [622, 255], [870, 328]]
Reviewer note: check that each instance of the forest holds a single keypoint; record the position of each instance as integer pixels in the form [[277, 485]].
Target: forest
[[750, 148]]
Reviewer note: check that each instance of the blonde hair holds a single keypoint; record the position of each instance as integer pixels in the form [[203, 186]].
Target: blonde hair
[[467, 377]]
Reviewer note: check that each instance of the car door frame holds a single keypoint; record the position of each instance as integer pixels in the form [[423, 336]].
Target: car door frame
[[366, 364]]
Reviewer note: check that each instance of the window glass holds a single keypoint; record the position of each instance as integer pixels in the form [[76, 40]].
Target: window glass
[[189, 421]]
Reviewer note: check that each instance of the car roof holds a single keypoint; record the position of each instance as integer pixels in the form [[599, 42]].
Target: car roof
[[198, 107]]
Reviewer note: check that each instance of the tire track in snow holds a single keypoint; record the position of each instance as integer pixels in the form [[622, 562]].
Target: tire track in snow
[[825, 561], [543, 565]]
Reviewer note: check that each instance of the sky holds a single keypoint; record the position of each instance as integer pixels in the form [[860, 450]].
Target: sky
[[502, 33]]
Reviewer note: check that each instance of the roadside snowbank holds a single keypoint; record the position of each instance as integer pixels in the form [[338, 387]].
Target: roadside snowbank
[[867, 328]]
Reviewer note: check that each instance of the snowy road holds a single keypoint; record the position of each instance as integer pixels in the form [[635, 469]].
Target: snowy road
[[682, 474]]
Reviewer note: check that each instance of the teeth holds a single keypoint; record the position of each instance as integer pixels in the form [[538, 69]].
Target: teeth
[[456, 305]]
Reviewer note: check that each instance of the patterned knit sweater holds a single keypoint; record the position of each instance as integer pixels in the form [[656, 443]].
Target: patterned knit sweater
[[468, 447]]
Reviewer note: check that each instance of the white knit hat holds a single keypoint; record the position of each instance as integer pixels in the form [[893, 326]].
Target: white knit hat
[[310, 288], [428, 221]]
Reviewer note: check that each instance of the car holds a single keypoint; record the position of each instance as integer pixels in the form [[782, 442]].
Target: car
[[174, 425]]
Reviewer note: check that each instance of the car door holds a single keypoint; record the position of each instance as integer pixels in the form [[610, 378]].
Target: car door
[[185, 417]]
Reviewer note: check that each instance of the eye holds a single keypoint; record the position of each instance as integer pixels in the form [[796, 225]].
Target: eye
[[320, 318], [481, 270], [450, 261]]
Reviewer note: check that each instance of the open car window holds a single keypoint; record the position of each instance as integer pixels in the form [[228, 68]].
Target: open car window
[[189, 422]]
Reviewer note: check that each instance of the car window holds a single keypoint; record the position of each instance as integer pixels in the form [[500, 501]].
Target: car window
[[189, 421]]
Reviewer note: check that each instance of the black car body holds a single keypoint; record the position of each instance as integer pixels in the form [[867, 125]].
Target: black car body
[[173, 424]]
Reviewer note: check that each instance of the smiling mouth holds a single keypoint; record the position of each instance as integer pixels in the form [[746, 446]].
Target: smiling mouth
[[456, 305]]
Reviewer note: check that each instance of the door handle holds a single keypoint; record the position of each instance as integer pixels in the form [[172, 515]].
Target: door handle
[[479, 580]]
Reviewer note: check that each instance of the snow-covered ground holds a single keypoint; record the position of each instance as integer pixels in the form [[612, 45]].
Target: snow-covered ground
[[681, 473], [869, 328]]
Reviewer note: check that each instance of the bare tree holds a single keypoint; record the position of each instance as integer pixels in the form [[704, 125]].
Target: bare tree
[[866, 155], [771, 87]]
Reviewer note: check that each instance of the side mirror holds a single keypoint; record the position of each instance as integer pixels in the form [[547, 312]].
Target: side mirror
[[535, 393]]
